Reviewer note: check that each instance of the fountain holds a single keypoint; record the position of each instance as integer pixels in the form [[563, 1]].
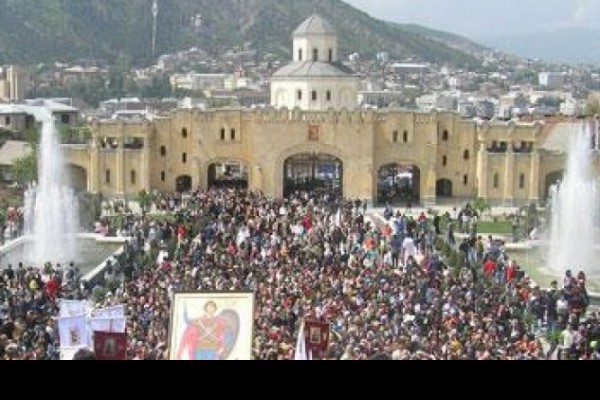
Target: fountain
[[52, 231], [575, 206], [51, 207]]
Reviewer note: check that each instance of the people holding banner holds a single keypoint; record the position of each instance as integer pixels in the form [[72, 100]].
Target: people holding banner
[[308, 264]]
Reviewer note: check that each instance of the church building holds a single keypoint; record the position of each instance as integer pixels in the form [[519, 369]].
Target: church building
[[315, 137]]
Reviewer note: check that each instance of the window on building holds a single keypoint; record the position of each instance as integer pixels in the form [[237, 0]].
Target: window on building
[[522, 181], [7, 120], [133, 143], [467, 155], [300, 54], [328, 95], [314, 95], [65, 118], [496, 181], [232, 134], [184, 158], [445, 135], [315, 54], [395, 137], [163, 151], [107, 176], [223, 134], [133, 177], [466, 180], [444, 161], [405, 136], [184, 133], [163, 176], [330, 55], [299, 94]]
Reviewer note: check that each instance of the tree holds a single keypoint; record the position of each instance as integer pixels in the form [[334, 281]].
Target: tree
[[145, 201], [593, 105], [25, 169], [481, 205]]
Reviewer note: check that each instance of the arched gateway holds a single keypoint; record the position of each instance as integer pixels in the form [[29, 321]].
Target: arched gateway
[[313, 172]]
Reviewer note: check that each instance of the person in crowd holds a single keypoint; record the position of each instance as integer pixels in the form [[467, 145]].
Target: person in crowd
[[388, 291]]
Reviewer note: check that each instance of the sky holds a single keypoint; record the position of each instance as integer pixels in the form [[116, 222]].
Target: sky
[[484, 19]]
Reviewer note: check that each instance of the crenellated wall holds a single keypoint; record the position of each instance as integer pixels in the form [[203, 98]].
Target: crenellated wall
[[499, 162]]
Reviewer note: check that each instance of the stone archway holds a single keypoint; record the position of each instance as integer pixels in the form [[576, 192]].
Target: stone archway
[[77, 178], [398, 184], [305, 148], [313, 172], [228, 175]]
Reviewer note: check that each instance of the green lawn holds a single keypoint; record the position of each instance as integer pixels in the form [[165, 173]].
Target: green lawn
[[495, 228], [503, 228]]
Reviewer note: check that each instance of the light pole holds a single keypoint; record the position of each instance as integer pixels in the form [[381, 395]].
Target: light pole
[[154, 19]]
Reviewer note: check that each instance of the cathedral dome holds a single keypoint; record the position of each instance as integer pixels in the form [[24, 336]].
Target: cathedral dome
[[314, 25]]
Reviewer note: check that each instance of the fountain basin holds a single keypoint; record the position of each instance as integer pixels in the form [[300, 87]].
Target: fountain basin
[[533, 259], [94, 250]]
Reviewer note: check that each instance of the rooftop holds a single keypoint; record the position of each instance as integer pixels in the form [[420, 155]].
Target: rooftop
[[37, 108], [303, 69], [12, 151], [315, 25]]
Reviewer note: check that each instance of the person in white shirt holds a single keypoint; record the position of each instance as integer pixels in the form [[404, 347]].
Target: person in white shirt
[[409, 249], [567, 341]]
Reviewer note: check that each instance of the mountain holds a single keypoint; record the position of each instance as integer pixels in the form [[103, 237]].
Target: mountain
[[574, 45], [34, 31], [453, 40]]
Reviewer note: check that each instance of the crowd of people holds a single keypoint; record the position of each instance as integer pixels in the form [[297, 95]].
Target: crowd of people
[[11, 224], [389, 287]]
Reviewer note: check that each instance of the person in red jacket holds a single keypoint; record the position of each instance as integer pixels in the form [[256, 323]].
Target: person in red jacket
[[489, 268], [52, 287], [307, 223], [511, 271]]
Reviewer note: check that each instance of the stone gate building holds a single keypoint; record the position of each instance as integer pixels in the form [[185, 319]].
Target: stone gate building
[[314, 137]]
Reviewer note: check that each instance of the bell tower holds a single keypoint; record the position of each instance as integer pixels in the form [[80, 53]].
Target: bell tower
[[315, 40]]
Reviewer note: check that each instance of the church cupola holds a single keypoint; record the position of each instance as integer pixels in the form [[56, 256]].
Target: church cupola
[[315, 40]]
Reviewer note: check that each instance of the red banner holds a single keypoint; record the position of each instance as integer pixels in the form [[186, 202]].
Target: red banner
[[110, 346], [317, 338]]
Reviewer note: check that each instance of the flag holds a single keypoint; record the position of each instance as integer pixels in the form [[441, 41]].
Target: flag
[[114, 325], [110, 346], [317, 334], [73, 308], [73, 332], [110, 312], [301, 353]]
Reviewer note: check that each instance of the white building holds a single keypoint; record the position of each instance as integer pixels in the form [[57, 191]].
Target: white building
[[409, 68], [552, 80], [315, 79], [573, 107], [13, 83], [197, 82], [437, 101]]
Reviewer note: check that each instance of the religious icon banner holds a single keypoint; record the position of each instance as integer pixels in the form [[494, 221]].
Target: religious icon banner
[[317, 338], [211, 326], [73, 332], [110, 346]]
